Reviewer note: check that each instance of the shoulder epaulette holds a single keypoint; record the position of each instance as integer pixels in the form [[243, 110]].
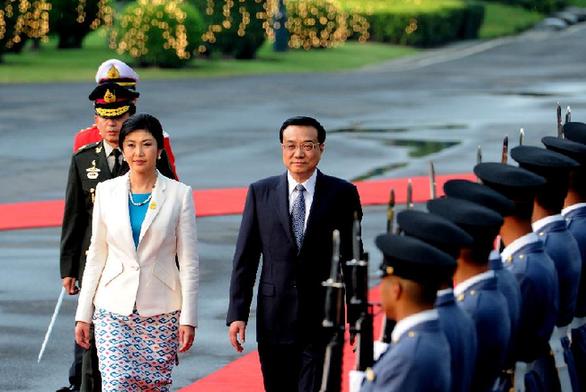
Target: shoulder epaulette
[[87, 147]]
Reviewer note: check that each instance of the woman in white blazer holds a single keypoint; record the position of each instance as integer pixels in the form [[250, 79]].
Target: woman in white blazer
[[140, 283]]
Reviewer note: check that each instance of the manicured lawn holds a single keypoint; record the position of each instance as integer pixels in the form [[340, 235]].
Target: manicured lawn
[[52, 65], [501, 19]]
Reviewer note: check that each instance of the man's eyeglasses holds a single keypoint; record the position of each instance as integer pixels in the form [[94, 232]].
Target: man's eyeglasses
[[306, 146]]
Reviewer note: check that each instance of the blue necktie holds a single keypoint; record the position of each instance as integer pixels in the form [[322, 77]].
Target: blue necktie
[[298, 216]]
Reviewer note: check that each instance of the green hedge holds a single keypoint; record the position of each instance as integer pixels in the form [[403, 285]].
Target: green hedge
[[544, 6], [161, 34], [234, 28], [425, 24]]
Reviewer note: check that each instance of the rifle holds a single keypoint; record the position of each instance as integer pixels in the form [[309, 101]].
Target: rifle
[[432, 184], [391, 212], [521, 136], [559, 120], [362, 327], [505, 152], [334, 323], [409, 201], [568, 115], [478, 154]]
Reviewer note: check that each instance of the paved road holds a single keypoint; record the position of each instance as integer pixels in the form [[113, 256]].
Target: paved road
[[224, 134]]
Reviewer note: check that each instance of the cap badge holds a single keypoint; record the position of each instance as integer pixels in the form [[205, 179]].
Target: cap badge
[[109, 97], [113, 73], [92, 171]]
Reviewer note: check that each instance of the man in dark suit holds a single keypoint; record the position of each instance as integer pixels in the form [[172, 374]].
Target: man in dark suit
[[289, 219]]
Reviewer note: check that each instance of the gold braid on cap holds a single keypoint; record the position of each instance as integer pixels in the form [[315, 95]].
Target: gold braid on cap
[[103, 112]]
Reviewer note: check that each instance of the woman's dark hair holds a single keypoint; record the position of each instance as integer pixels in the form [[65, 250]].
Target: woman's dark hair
[[145, 122], [306, 122]]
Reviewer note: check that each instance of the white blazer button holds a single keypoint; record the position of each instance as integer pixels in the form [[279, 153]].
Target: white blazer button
[[135, 267]]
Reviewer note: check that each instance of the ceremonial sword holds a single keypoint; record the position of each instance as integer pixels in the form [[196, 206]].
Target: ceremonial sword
[[51, 324]]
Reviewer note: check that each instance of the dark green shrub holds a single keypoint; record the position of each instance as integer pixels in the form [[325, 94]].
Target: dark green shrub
[[236, 28], [426, 27], [72, 20], [21, 20], [322, 24], [545, 6], [159, 33]]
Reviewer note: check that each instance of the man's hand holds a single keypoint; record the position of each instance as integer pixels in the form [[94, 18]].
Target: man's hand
[[82, 334], [186, 337], [237, 328], [69, 284]]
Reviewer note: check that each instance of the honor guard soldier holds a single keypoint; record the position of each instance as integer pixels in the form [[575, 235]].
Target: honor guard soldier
[[454, 322], [506, 281], [524, 255], [560, 245], [418, 358], [476, 286], [116, 71], [92, 164], [574, 212]]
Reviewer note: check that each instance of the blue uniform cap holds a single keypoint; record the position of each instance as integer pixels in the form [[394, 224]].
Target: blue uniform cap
[[480, 194], [481, 223], [546, 163], [571, 149], [575, 131], [434, 230], [513, 182], [413, 259]]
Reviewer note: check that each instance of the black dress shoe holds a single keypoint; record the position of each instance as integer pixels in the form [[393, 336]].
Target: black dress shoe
[[68, 389]]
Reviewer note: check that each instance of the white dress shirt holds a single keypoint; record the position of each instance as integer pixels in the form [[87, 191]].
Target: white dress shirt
[[309, 185], [573, 207], [541, 223], [110, 158], [465, 285]]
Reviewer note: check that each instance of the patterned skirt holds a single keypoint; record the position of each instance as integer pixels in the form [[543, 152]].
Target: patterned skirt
[[136, 353]]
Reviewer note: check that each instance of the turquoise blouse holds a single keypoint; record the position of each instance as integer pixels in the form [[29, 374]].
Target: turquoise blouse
[[137, 214]]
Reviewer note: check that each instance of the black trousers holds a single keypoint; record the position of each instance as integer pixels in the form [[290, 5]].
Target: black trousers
[[75, 369], [91, 379], [291, 367]]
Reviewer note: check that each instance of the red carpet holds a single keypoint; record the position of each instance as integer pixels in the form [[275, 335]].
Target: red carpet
[[244, 374], [213, 202]]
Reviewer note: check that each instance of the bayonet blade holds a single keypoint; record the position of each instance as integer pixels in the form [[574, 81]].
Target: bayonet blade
[[431, 181], [479, 154], [521, 136], [505, 153], [391, 212], [568, 115], [409, 194], [559, 119]]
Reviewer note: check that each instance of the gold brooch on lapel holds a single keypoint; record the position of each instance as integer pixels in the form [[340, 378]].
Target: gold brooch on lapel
[[153, 205], [93, 171], [98, 149], [93, 195]]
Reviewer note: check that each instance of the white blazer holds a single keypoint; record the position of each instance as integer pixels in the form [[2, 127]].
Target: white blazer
[[119, 276]]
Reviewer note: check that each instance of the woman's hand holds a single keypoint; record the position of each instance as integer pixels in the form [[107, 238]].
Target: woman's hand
[[82, 334], [186, 337]]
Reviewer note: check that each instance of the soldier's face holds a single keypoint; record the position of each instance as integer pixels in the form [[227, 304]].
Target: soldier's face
[[390, 290], [110, 128], [301, 151], [141, 151]]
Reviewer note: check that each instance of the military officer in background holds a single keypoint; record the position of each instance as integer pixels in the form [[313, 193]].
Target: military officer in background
[[524, 255], [116, 71], [574, 212], [560, 245], [506, 282], [454, 322], [418, 358], [476, 286]]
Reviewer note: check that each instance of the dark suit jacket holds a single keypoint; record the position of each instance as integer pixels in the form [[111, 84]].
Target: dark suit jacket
[[291, 298]]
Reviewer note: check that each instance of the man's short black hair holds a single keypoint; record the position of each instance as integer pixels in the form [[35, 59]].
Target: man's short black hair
[[145, 122], [306, 122]]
